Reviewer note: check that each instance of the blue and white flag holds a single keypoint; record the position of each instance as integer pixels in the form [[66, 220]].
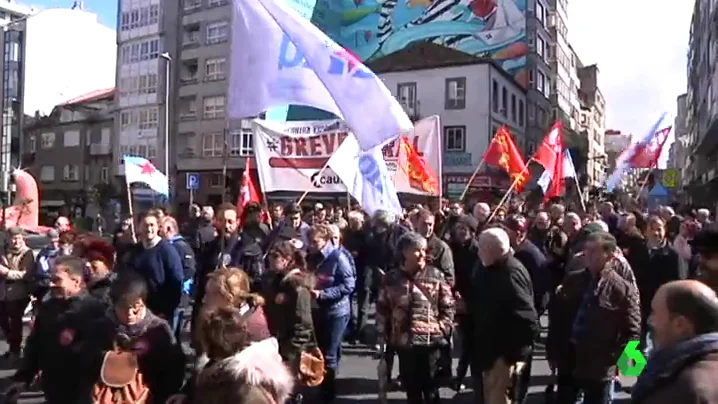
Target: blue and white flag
[[569, 171], [280, 58], [138, 169], [623, 162], [366, 176]]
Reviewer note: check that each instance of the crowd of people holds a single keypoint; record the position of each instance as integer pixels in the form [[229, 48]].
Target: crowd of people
[[271, 295]]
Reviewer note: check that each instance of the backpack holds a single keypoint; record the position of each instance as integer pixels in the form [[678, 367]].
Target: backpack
[[121, 381]]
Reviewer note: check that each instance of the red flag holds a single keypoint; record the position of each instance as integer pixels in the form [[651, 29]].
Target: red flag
[[549, 153], [247, 191], [550, 156], [416, 169], [647, 155], [503, 152]]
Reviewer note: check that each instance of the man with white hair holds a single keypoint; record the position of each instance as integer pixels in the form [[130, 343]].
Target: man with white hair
[[481, 212], [505, 318], [703, 216]]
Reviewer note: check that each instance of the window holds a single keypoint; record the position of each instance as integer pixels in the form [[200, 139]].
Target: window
[[192, 4], [144, 50], [147, 84], [87, 174], [32, 144], [541, 13], [540, 82], [47, 173], [71, 138], [149, 118], [188, 108], [406, 95], [191, 36], [455, 93], [217, 3], [217, 32], [541, 47], [213, 145], [214, 69], [216, 181], [504, 102], [513, 107], [241, 142], [455, 138], [214, 107], [531, 112], [521, 112], [154, 11], [70, 173], [47, 140], [105, 136], [105, 175], [495, 96]]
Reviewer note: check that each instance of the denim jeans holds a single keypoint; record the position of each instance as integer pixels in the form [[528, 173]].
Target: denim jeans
[[330, 334]]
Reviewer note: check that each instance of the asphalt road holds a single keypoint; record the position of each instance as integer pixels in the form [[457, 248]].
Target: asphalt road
[[358, 380]]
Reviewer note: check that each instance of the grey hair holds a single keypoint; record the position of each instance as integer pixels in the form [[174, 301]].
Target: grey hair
[[602, 224], [409, 240], [334, 231], [573, 216], [355, 217], [704, 212], [383, 218], [498, 238]]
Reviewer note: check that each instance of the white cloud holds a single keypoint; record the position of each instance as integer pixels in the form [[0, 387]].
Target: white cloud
[[640, 47]]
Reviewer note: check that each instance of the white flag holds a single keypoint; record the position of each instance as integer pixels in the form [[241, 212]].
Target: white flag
[[281, 58]]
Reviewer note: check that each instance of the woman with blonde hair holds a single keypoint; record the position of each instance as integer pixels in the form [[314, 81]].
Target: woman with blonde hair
[[230, 287]]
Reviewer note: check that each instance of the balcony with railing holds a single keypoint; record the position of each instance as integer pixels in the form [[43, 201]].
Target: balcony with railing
[[99, 149]]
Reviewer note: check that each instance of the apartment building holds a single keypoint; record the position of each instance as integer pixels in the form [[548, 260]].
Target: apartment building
[[473, 97], [69, 151], [592, 123], [539, 117], [146, 48], [701, 138]]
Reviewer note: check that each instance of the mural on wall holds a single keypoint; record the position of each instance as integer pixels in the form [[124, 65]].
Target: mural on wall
[[374, 28]]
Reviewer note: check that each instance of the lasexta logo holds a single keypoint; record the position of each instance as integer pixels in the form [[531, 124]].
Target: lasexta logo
[[631, 362], [341, 61]]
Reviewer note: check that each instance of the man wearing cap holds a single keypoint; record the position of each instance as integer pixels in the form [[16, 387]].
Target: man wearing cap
[[705, 246]]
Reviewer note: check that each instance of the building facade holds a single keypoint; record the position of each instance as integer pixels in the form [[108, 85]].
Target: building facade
[[69, 152], [679, 153], [473, 98], [592, 124], [702, 106]]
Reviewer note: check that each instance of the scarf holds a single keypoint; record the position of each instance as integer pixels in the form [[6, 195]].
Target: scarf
[[665, 364], [136, 330]]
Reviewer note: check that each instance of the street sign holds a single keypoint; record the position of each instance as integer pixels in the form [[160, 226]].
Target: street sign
[[670, 178], [193, 181]]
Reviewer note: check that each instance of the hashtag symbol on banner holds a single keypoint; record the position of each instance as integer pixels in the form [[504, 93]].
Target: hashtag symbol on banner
[[272, 146]]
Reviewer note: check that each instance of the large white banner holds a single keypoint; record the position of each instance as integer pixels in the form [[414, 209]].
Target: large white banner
[[290, 155]]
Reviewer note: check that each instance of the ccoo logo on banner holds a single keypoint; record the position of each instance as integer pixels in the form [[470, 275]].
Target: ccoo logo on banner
[[290, 155]]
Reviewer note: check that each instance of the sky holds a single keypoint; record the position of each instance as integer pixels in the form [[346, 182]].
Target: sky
[[640, 47], [105, 9]]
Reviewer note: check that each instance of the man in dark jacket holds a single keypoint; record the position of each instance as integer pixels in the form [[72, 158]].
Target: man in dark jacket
[[465, 251], [685, 321], [205, 230], [228, 249], [531, 258], [505, 319], [608, 317], [56, 346]]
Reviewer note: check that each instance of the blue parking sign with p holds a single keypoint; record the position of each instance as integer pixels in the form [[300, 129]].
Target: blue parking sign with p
[[193, 181]]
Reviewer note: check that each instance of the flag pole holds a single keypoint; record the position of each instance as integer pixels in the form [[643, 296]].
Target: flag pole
[[643, 184], [474, 174], [132, 211], [510, 190], [580, 194], [319, 174], [225, 161]]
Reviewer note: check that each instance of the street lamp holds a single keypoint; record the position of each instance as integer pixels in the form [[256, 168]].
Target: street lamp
[[168, 62]]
